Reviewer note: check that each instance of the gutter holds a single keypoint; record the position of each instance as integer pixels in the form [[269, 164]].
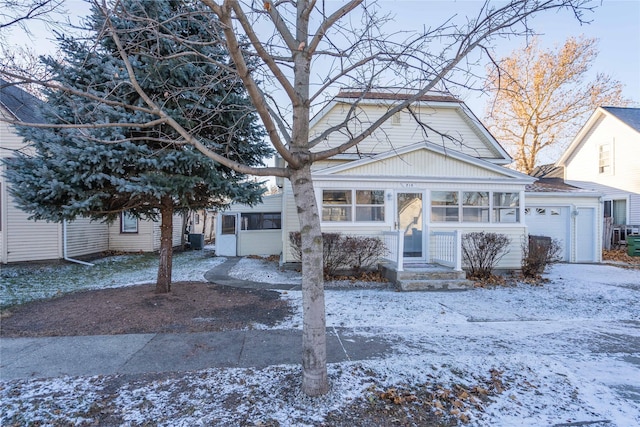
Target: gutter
[[64, 247]]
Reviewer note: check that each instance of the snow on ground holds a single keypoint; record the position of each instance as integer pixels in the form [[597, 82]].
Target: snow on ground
[[23, 283], [261, 270], [568, 351]]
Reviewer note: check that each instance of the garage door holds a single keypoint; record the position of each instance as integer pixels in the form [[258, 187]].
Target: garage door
[[552, 221]]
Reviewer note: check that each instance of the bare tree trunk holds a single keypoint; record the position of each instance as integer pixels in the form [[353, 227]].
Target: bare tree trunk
[[314, 340], [163, 284]]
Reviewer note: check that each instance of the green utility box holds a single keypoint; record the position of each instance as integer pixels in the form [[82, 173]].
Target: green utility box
[[633, 245]]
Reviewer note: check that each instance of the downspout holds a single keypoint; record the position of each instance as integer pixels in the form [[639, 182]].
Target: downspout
[[64, 247]]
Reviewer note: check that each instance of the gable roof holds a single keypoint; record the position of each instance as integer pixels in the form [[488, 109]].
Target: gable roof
[[19, 103], [431, 99], [548, 171], [465, 158], [628, 116]]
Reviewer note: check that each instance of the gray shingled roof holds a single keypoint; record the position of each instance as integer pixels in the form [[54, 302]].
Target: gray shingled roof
[[21, 104], [553, 185], [630, 116]]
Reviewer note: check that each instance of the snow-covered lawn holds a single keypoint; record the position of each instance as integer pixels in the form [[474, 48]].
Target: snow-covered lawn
[[566, 352], [24, 283]]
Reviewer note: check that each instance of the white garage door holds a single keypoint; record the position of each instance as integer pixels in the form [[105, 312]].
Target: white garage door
[[552, 221]]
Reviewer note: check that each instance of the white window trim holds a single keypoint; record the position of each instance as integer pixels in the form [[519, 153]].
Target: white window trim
[[354, 205], [610, 150], [519, 208]]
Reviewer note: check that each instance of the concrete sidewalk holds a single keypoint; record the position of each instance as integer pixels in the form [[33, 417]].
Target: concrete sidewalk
[[22, 358], [220, 276], [143, 353]]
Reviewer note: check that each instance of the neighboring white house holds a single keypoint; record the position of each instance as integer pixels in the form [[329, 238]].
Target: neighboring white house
[[243, 230], [22, 239], [444, 175], [605, 157]]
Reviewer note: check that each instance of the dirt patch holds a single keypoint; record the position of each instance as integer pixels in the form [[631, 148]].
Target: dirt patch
[[190, 307]]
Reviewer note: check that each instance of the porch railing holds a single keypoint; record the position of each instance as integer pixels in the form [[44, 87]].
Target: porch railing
[[394, 241], [447, 248]]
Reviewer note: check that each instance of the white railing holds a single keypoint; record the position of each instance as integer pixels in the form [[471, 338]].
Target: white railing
[[394, 241], [447, 248]]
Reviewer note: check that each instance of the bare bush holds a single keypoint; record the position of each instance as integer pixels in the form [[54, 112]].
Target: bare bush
[[343, 252], [482, 251], [538, 252], [362, 252]]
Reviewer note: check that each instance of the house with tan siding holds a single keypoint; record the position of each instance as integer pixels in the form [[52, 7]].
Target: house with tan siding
[[22, 239], [426, 173]]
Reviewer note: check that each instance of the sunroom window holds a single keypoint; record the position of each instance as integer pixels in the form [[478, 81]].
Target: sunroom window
[[444, 206], [475, 206], [337, 205], [369, 205], [506, 207]]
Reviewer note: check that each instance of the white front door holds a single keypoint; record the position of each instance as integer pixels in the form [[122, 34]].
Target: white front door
[[227, 239], [585, 235], [410, 219]]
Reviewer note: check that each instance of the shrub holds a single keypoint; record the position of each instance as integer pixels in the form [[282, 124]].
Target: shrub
[[362, 252], [537, 253], [482, 251], [343, 252]]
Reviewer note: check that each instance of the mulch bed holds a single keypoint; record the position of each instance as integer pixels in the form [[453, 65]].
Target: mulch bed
[[189, 307]]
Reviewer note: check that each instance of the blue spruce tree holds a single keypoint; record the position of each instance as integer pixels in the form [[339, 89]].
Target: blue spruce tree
[[86, 165]]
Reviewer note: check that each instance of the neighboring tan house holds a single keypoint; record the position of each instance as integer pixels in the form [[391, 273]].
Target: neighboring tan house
[[605, 157], [22, 239], [419, 183]]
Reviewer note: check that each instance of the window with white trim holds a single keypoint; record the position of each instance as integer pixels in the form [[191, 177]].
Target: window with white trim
[[604, 159], [350, 205], [128, 223], [444, 206], [475, 206], [506, 207], [616, 209]]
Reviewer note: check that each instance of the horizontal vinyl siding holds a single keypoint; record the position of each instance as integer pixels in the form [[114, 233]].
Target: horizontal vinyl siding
[[512, 260], [271, 203], [177, 232], [291, 222], [86, 237], [634, 209], [625, 146], [423, 163], [259, 242], [393, 136], [9, 140], [142, 241], [29, 240]]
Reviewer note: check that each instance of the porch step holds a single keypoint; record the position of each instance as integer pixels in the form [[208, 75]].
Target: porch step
[[426, 277], [434, 285]]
